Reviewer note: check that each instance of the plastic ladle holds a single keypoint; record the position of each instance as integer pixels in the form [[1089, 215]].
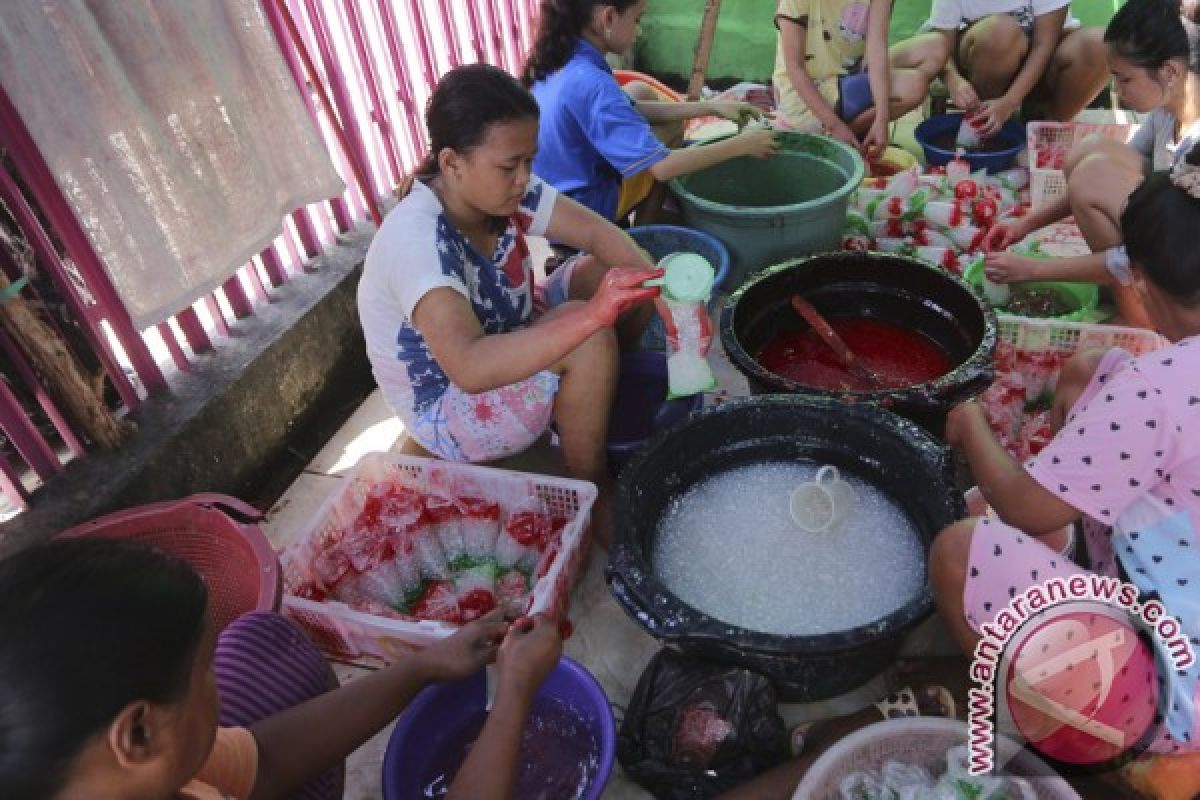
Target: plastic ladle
[[830, 337]]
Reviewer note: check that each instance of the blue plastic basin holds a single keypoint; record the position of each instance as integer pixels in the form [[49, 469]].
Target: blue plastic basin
[[943, 124]]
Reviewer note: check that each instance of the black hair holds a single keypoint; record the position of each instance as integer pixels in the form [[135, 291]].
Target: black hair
[[87, 626], [1149, 33], [465, 105], [1159, 226], [560, 25]]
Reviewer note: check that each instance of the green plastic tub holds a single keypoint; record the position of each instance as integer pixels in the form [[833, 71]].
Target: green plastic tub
[[771, 210], [1084, 297]]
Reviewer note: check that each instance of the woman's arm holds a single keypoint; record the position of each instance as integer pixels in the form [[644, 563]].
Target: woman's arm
[[585, 230], [1013, 268], [685, 161], [301, 743], [1047, 29], [529, 652], [658, 112], [961, 92], [1012, 493], [477, 362], [792, 38]]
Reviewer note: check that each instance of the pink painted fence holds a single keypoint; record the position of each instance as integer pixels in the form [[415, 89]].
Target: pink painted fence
[[379, 61]]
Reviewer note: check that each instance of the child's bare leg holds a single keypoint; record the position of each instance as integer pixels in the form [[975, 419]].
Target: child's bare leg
[[585, 279], [907, 92], [587, 383], [948, 559], [1076, 74], [925, 53], [991, 52]]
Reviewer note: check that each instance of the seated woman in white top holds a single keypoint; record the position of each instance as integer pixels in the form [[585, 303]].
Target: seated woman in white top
[[1154, 55], [467, 350]]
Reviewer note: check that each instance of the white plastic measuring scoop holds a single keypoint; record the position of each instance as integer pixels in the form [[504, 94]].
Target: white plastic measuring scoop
[[687, 277], [823, 503]]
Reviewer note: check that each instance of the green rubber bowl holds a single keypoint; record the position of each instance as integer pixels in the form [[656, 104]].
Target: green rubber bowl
[[1084, 297]]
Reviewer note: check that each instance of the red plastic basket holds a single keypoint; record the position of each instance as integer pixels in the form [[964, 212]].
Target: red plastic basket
[[218, 535]]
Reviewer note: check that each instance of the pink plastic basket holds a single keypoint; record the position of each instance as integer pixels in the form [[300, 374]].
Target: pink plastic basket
[[217, 535]]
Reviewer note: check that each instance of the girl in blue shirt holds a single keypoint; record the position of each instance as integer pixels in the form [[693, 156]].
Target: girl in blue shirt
[[597, 143]]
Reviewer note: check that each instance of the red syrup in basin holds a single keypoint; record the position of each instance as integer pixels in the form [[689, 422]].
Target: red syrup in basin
[[899, 356]]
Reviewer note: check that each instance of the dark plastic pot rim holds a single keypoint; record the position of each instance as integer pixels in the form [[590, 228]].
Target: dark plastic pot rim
[[636, 576], [853, 181], [921, 395]]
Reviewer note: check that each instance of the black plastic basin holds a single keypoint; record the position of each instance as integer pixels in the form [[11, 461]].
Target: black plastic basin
[[892, 453], [897, 289]]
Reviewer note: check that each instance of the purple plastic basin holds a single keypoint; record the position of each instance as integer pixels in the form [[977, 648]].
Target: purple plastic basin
[[431, 721], [640, 409]]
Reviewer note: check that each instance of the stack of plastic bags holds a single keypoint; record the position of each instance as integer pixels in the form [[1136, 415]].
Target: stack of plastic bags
[[898, 781], [1018, 404], [941, 215]]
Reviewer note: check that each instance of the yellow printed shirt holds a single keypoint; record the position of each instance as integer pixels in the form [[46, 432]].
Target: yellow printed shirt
[[835, 37]]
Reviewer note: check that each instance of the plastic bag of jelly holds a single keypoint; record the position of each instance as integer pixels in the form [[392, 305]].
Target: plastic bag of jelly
[[695, 729]]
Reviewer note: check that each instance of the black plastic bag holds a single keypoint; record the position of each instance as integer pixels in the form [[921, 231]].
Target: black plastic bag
[[695, 729]]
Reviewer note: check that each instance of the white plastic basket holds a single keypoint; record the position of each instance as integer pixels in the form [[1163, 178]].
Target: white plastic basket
[[919, 741], [346, 633], [1050, 142], [1030, 356], [1049, 335]]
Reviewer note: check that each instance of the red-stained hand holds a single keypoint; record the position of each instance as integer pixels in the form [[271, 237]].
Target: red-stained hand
[[528, 653], [619, 290], [876, 141], [1010, 268], [962, 93], [1003, 235], [467, 651], [992, 115]]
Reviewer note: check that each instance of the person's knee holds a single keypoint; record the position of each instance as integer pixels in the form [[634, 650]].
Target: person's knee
[[1090, 145], [926, 53], [1092, 182], [994, 44]]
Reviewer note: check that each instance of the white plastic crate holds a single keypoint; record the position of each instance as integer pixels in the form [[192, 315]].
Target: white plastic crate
[[1030, 357], [1050, 142], [349, 634], [1048, 335]]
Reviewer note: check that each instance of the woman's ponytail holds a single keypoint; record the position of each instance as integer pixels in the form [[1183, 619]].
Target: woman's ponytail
[[560, 24]]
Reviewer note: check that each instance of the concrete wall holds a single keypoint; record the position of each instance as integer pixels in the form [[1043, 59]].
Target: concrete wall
[[745, 45], [245, 421]]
